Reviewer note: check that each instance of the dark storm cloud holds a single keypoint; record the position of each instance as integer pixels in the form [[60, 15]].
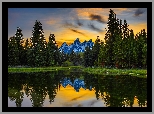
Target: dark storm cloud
[[78, 22], [91, 26], [139, 12], [76, 31], [69, 25], [97, 18]]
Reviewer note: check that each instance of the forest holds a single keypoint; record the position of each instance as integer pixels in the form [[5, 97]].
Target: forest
[[120, 49]]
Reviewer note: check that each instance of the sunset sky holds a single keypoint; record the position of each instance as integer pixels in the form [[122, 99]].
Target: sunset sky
[[67, 24]]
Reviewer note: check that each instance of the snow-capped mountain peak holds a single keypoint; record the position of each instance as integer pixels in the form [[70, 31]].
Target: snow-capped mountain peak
[[77, 46]]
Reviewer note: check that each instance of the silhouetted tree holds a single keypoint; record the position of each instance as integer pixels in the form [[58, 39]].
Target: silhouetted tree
[[38, 46], [95, 52], [15, 48], [110, 37], [141, 39], [87, 56], [51, 49]]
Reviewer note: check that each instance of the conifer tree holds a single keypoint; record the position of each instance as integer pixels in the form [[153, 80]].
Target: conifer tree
[[95, 52], [15, 48], [51, 48], [13, 52], [87, 56], [38, 46], [132, 55], [25, 53], [110, 37], [19, 40], [141, 40], [125, 45]]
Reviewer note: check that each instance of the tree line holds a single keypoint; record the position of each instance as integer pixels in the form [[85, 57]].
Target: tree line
[[121, 48]]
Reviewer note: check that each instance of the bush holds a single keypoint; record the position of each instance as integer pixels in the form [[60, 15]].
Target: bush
[[67, 63]]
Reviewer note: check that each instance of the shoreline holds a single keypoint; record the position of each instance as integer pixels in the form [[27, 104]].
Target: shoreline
[[98, 71]]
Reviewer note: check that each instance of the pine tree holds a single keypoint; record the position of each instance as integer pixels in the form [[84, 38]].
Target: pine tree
[[25, 54], [132, 55], [117, 44], [125, 45], [110, 37], [13, 52], [19, 40], [15, 48], [141, 39], [95, 52], [87, 56], [51, 48], [118, 51], [72, 57], [38, 46], [59, 56], [102, 55]]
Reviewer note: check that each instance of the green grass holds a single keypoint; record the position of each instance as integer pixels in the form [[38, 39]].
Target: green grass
[[105, 71], [41, 69], [100, 71]]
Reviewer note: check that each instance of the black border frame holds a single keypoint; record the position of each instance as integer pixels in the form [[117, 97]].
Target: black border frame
[[6, 5]]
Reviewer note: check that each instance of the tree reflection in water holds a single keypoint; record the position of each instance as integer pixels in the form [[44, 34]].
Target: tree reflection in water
[[115, 91]]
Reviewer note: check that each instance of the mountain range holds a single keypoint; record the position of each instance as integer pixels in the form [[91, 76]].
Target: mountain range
[[76, 46], [77, 84]]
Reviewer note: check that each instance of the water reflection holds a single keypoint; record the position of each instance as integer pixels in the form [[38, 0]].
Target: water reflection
[[75, 89], [77, 84]]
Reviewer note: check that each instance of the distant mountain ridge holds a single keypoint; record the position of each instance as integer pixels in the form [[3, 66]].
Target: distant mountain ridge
[[76, 46]]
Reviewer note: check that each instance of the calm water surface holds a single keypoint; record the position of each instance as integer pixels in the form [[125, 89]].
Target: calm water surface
[[75, 89]]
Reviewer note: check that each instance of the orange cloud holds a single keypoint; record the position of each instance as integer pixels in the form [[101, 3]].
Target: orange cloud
[[52, 21], [71, 36], [68, 36], [86, 12], [69, 97], [118, 10]]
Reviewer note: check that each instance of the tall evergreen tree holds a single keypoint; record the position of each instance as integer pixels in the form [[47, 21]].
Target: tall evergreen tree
[[15, 48], [141, 39], [125, 45], [110, 37], [38, 46], [51, 48], [95, 52], [117, 44], [102, 55], [19, 40], [132, 55]]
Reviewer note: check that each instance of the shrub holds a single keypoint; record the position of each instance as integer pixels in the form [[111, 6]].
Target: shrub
[[67, 63]]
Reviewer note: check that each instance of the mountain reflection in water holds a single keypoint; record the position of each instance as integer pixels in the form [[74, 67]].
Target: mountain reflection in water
[[62, 89], [77, 84]]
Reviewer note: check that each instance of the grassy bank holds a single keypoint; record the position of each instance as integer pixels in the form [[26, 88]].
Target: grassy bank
[[41, 69], [105, 71], [101, 71]]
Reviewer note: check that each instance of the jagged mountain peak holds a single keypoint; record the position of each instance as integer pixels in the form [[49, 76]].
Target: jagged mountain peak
[[77, 41], [64, 44], [76, 46]]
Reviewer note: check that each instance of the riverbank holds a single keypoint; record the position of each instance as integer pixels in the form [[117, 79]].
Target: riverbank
[[40, 69], [105, 71], [99, 71]]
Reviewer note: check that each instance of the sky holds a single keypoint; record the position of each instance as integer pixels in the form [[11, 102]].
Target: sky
[[67, 24]]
